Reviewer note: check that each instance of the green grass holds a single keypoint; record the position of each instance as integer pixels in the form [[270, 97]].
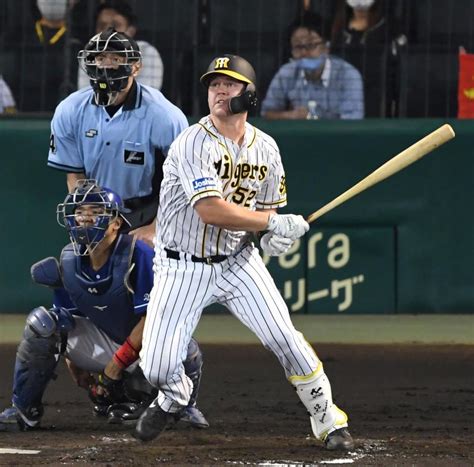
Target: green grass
[[343, 329]]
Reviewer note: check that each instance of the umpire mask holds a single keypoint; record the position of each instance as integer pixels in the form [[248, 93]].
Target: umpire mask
[[108, 60]]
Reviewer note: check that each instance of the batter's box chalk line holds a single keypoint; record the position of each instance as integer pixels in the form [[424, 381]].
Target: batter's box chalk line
[[365, 448], [18, 451]]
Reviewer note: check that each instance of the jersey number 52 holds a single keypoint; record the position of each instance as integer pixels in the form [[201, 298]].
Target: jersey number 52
[[243, 196]]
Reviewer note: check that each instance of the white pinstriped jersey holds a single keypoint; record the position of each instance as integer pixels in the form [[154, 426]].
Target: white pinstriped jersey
[[201, 163]]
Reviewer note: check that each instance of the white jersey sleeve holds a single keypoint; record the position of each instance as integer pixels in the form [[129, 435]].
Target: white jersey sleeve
[[272, 194], [195, 167]]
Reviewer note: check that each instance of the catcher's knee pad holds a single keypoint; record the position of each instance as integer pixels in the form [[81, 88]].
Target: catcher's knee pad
[[315, 393], [45, 323], [193, 368]]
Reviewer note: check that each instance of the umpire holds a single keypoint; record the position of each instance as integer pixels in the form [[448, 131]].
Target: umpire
[[117, 131]]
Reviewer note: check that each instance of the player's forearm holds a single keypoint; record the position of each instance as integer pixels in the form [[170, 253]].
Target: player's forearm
[[119, 362], [135, 337], [72, 179], [220, 213]]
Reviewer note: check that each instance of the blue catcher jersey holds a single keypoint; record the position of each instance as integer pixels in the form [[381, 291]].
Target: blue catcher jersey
[[103, 295], [121, 151]]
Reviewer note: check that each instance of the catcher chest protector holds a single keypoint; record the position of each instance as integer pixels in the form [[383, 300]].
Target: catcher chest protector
[[106, 301]]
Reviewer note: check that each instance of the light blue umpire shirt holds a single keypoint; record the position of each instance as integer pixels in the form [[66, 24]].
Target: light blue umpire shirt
[[123, 152]]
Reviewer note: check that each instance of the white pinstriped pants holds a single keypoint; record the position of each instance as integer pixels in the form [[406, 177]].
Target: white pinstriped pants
[[183, 288]]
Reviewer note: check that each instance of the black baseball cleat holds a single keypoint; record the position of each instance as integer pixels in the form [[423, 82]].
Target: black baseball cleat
[[194, 417], [151, 422], [339, 440]]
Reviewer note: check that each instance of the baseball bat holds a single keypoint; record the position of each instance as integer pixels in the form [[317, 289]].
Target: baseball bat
[[416, 151]]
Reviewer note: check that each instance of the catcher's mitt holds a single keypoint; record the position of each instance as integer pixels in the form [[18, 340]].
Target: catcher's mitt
[[107, 391]]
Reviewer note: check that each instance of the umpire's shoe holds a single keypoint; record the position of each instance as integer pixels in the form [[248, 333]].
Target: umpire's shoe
[[339, 440], [152, 422]]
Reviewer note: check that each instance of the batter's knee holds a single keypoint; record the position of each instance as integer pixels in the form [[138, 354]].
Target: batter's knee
[[160, 372]]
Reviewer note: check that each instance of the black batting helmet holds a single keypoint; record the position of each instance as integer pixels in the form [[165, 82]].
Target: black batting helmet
[[231, 65], [240, 69]]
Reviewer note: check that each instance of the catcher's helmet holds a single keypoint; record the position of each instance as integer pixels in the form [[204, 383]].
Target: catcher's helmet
[[87, 229], [108, 80], [240, 69]]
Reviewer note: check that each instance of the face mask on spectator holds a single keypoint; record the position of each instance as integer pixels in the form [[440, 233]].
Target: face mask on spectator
[[360, 4], [53, 10], [312, 64]]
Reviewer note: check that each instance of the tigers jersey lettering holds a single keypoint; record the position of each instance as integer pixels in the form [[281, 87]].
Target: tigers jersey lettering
[[203, 163]]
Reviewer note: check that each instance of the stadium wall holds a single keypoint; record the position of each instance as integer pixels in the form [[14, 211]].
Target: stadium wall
[[403, 246]]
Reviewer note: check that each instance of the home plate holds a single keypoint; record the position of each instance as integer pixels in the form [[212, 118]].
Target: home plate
[[18, 451]]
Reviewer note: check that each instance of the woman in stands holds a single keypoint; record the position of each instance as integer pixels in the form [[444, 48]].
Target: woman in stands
[[365, 35]]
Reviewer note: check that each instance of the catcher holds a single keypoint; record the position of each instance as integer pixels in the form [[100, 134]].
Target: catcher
[[101, 291]]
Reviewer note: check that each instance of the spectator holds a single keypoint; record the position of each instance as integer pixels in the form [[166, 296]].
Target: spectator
[[314, 84], [118, 14], [41, 64], [363, 35], [7, 103]]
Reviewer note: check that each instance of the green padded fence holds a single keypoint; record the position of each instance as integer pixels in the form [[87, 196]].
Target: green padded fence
[[405, 245]]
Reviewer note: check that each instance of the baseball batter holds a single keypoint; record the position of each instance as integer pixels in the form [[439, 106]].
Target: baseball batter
[[223, 180]]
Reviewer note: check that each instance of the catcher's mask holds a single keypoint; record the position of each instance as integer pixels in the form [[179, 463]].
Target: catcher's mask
[[109, 74], [238, 68], [86, 214]]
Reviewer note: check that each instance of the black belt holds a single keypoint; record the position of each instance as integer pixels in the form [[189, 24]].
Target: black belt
[[141, 201], [209, 259]]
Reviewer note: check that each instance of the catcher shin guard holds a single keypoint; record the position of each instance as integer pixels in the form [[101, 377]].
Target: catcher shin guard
[[193, 369], [36, 360], [315, 393]]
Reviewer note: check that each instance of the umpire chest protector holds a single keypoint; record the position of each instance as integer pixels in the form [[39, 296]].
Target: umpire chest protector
[[107, 301]]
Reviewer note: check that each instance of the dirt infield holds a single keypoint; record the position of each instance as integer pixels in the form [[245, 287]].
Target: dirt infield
[[408, 405]]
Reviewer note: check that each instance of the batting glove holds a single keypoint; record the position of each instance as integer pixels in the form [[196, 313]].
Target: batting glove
[[274, 245], [287, 225]]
